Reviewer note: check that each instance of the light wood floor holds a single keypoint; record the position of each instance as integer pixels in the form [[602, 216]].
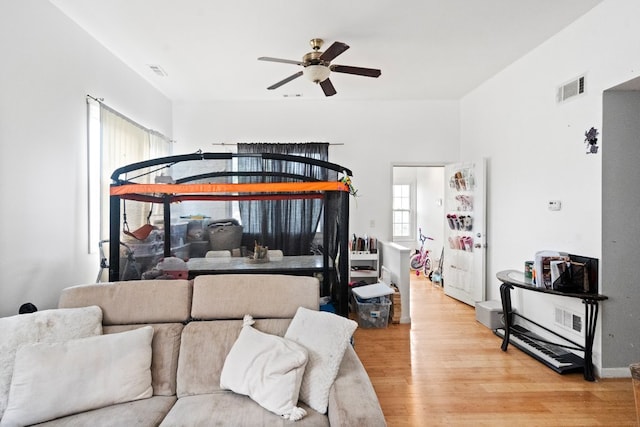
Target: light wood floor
[[447, 369]]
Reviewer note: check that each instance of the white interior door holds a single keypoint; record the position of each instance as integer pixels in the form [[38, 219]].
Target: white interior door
[[463, 270]]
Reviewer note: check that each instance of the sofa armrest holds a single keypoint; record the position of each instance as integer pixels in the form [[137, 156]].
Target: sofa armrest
[[352, 399]]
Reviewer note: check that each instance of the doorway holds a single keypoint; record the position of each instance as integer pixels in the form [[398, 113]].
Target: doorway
[[418, 203], [620, 229]]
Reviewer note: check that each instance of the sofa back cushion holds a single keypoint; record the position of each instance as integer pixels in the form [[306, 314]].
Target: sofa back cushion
[[162, 304], [164, 361], [204, 348], [231, 296], [134, 302]]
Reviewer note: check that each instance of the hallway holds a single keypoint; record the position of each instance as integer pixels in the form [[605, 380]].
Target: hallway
[[447, 369]]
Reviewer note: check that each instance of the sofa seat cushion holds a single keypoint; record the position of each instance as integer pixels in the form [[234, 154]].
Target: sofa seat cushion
[[226, 408], [352, 399], [204, 347], [164, 360], [139, 413]]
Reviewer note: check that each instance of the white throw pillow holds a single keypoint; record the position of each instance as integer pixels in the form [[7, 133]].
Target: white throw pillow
[[51, 380], [42, 326], [325, 336], [268, 369]]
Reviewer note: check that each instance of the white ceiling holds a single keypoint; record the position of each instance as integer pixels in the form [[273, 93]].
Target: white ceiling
[[426, 49]]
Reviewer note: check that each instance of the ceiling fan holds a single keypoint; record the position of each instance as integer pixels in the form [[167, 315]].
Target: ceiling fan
[[317, 66]]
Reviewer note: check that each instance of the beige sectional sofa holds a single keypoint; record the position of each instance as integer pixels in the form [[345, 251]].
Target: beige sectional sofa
[[195, 325]]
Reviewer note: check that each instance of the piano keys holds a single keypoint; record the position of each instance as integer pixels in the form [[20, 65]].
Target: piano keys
[[555, 357]]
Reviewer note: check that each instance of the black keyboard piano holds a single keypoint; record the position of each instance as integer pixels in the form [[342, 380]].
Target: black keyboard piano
[[557, 358]]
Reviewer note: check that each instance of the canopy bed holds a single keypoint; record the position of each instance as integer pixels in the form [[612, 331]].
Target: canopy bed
[[292, 203]]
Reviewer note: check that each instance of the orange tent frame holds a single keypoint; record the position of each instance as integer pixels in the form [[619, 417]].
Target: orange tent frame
[[270, 187]]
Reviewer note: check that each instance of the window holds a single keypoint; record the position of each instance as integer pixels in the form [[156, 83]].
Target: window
[[402, 210], [93, 173], [114, 141]]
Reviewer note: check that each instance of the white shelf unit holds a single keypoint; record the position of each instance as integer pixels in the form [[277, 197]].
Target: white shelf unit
[[368, 264]]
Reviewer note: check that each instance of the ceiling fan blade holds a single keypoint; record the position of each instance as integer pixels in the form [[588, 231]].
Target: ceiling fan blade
[[334, 50], [286, 61], [287, 80], [327, 87], [368, 72]]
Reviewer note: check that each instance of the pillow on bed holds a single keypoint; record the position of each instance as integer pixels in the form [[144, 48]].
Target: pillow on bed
[[268, 369], [51, 380], [326, 337], [42, 326]]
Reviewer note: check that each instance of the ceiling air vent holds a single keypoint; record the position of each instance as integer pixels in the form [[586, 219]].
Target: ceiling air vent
[[571, 89], [158, 70]]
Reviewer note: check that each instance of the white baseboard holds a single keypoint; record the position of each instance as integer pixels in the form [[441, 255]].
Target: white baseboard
[[613, 373]]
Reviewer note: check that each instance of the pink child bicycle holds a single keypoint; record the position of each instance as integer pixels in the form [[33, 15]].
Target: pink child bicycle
[[421, 260]]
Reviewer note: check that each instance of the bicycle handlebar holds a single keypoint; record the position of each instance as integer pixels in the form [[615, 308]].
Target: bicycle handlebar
[[422, 236]]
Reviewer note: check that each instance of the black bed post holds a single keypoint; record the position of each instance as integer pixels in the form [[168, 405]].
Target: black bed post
[[343, 264], [114, 238], [326, 279], [167, 225]]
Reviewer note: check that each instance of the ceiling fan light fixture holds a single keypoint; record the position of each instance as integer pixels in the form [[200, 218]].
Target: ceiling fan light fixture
[[317, 73], [317, 66]]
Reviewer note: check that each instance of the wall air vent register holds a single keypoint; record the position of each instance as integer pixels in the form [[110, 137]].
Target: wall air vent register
[[571, 89]]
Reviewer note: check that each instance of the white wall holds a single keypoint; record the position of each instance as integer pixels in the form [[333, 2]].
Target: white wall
[[536, 152], [395, 258], [375, 135], [48, 66], [431, 208]]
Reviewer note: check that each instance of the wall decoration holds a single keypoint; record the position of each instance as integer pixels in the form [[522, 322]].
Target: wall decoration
[[591, 139]]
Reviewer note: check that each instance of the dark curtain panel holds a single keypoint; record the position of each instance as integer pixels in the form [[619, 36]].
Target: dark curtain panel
[[333, 208], [288, 225]]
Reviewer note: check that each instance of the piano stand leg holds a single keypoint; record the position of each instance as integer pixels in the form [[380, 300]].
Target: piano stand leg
[[505, 296], [591, 318]]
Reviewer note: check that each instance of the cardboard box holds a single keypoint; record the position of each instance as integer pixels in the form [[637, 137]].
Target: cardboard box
[[396, 305]]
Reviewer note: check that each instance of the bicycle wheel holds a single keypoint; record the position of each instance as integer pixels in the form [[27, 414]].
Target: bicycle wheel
[[427, 267], [416, 261]]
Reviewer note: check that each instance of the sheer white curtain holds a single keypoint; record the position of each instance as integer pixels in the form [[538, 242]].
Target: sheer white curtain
[[122, 142]]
